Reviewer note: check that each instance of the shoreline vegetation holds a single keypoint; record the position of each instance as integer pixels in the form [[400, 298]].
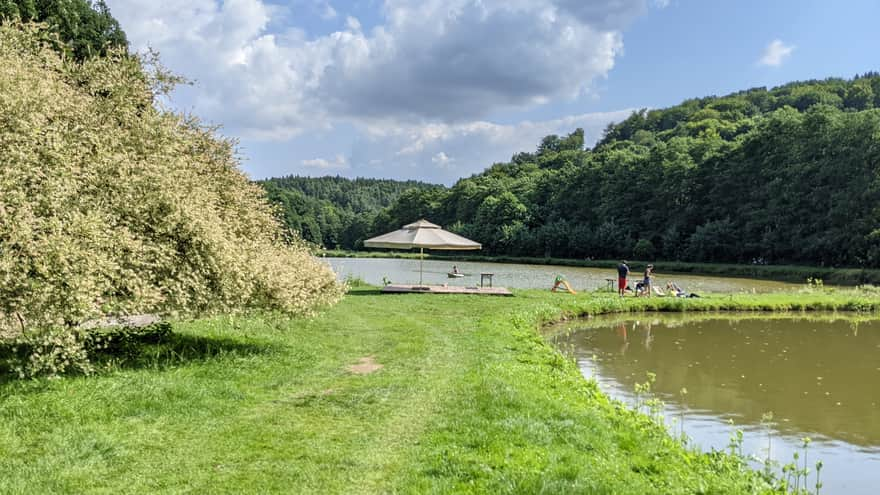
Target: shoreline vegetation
[[406, 394], [781, 273]]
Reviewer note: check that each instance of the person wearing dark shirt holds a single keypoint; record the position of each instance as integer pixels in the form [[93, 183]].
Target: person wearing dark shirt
[[647, 282], [622, 272]]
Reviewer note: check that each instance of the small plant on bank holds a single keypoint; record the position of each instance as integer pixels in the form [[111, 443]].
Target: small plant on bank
[[769, 463], [352, 281], [681, 435], [643, 390], [792, 478]]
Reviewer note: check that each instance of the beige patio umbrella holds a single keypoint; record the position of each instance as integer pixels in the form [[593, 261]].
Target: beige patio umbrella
[[423, 235]]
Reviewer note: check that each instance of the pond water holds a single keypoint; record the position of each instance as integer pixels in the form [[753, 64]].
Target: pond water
[[372, 270], [818, 375]]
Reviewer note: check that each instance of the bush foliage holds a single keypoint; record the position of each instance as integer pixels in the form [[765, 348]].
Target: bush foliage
[[112, 205]]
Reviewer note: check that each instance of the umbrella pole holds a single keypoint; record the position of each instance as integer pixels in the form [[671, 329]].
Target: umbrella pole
[[421, 261]]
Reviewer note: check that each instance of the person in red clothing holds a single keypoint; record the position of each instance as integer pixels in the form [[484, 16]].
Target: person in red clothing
[[622, 272]]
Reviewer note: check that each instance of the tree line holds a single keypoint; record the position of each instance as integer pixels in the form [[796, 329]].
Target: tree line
[[84, 28], [335, 211], [781, 175]]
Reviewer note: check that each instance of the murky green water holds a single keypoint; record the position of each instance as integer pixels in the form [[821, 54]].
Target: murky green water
[[373, 270], [818, 375]]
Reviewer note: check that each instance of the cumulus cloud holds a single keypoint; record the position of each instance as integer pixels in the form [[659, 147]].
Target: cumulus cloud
[[775, 53], [444, 152], [428, 61], [338, 163], [441, 159]]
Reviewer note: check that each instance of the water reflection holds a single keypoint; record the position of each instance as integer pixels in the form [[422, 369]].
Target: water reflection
[[823, 377], [820, 376]]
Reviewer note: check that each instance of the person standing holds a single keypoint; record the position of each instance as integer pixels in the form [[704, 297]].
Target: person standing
[[646, 282], [622, 273]]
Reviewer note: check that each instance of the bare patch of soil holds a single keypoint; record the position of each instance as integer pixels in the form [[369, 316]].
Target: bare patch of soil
[[365, 366]]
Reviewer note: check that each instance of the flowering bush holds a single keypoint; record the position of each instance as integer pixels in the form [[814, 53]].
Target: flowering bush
[[110, 204]]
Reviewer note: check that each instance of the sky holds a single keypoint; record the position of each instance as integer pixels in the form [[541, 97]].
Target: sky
[[436, 90]]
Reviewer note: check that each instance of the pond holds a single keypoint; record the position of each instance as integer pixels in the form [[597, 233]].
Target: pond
[[372, 270], [819, 376]]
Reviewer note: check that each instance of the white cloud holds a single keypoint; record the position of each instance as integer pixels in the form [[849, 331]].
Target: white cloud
[[441, 61], [441, 159], [446, 152], [327, 11], [338, 163], [775, 53]]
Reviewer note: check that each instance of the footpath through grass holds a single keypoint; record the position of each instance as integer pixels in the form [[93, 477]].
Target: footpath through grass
[[470, 398]]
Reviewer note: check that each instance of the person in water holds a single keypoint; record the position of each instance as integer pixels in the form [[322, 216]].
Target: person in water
[[622, 272]]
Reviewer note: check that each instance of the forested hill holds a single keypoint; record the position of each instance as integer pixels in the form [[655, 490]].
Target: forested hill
[[335, 211], [790, 174]]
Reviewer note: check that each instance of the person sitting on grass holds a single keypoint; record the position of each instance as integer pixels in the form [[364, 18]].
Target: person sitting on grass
[[558, 282], [677, 291]]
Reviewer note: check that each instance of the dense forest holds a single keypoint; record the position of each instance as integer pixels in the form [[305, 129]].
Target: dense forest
[[335, 211], [84, 27], [788, 174]]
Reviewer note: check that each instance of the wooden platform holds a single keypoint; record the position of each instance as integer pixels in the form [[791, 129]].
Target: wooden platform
[[439, 289]]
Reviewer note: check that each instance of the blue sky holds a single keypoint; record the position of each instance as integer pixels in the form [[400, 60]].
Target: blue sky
[[437, 90]]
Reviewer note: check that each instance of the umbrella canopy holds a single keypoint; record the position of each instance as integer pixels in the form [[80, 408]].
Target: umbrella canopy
[[423, 235]]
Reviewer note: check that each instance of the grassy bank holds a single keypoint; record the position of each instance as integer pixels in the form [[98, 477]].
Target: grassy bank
[[470, 398], [782, 273]]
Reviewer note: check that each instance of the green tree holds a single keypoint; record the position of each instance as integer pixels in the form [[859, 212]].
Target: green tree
[[87, 27], [644, 249], [787, 174], [860, 95]]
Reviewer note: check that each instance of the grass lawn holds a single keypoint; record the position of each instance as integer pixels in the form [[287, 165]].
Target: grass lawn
[[469, 399]]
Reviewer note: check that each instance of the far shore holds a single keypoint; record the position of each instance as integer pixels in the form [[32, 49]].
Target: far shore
[[782, 273]]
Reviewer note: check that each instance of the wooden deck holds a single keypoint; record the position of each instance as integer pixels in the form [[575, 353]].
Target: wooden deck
[[439, 289]]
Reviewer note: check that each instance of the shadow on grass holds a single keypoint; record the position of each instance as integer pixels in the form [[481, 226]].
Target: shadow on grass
[[364, 292], [157, 350], [175, 349]]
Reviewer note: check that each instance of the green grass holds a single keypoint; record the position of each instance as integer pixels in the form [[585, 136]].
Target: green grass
[[471, 399], [783, 273]]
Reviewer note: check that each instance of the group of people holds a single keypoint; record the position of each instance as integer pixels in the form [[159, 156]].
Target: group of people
[[645, 286]]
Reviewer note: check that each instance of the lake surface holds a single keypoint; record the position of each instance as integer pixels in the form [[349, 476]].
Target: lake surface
[[818, 375], [372, 270]]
